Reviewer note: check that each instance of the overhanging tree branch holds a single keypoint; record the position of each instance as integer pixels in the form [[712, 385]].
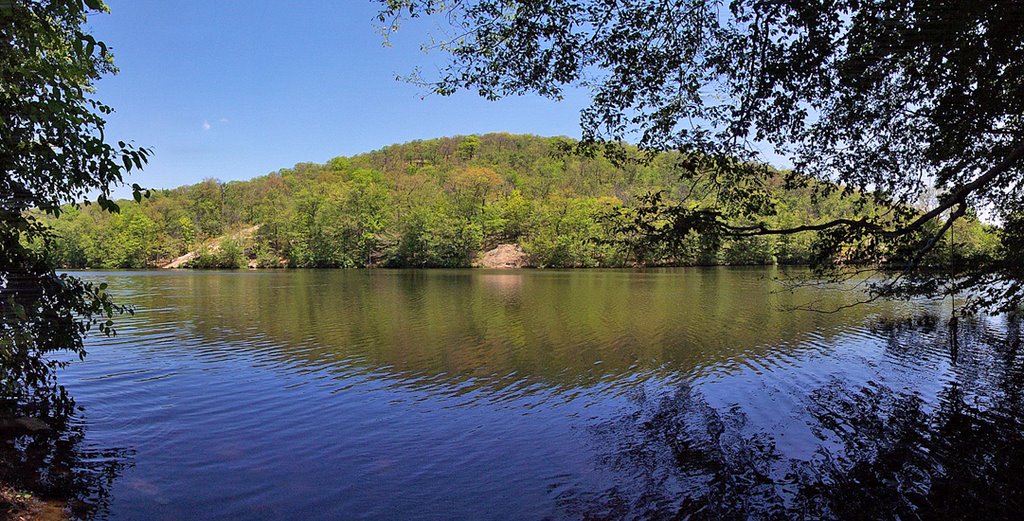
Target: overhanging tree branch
[[958, 197]]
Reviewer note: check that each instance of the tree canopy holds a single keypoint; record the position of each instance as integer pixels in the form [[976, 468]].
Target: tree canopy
[[53, 153], [888, 103], [428, 204]]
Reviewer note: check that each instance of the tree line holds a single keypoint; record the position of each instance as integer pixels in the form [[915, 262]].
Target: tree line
[[440, 202]]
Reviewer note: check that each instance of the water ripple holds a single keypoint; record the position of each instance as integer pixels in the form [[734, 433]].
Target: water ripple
[[451, 394]]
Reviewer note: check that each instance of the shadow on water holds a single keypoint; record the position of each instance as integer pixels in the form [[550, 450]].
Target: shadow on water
[[58, 465], [871, 451]]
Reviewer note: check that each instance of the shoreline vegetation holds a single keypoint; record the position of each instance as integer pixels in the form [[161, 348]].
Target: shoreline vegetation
[[493, 200], [19, 505]]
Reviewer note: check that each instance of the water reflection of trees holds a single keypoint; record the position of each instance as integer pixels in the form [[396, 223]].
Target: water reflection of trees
[[876, 452], [60, 464], [563, 328]]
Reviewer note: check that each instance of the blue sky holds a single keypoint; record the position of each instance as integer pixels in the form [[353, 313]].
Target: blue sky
[[233, 89]]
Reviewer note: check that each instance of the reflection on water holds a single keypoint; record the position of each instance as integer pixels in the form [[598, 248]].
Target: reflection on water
[[61, 465], [474, 394], [875, 452], [551, 328]]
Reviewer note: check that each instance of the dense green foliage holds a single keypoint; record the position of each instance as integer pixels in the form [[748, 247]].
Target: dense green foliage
[[53, 155], [438, 203]]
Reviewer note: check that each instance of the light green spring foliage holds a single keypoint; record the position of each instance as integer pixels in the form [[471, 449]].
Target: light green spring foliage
[[437, 203]]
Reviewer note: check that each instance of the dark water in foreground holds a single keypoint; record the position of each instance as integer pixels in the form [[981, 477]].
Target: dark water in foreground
[[543, 395]]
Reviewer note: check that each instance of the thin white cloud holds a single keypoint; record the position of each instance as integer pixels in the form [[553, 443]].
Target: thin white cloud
[[206, 125], [223, 120]]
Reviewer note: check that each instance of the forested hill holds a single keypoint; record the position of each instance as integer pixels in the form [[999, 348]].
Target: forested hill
[[434, 203]]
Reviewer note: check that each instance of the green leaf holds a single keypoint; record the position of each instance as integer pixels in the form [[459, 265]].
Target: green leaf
[[108, 205], [19, 310]]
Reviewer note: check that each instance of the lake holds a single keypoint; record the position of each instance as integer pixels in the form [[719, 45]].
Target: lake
[[537, 394]]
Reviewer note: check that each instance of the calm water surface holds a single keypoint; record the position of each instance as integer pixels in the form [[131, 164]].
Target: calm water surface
[[475, 394]]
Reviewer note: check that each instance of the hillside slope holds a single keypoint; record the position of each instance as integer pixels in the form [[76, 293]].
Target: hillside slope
[[433, 203]]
